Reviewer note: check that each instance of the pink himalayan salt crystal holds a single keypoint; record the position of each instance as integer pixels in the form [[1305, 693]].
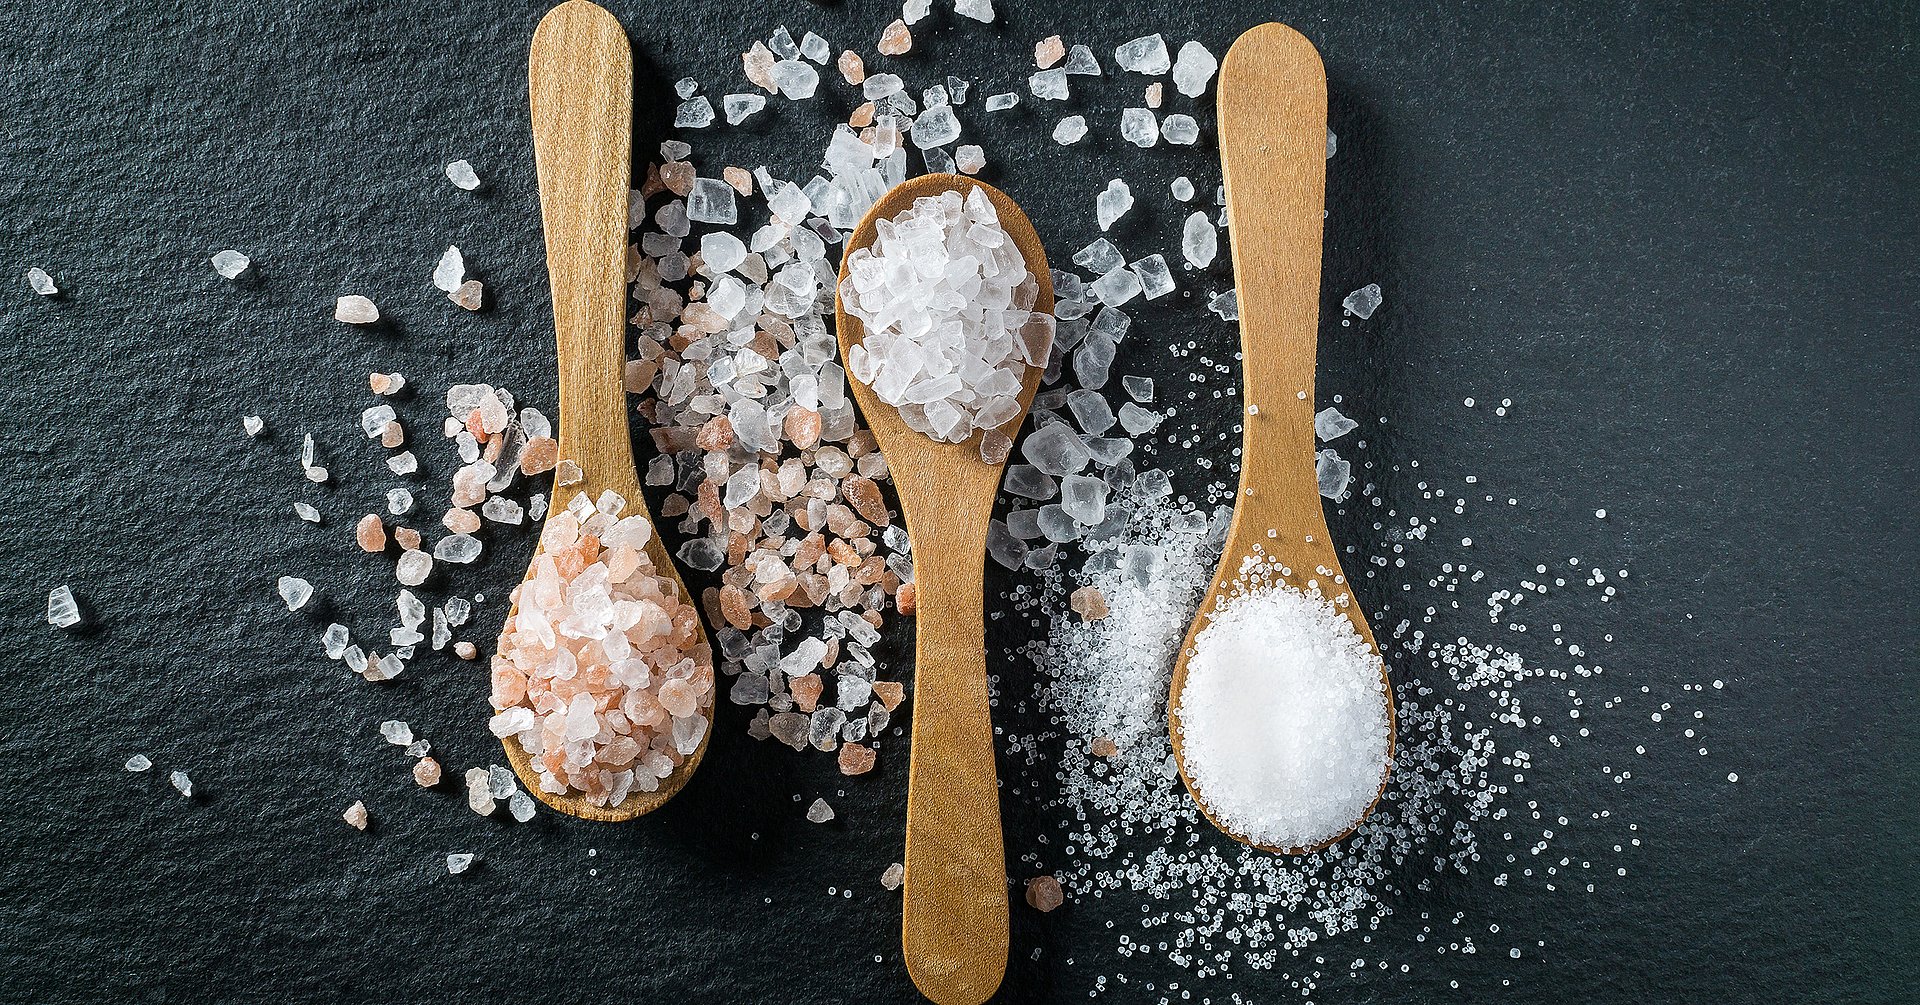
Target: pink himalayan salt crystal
[[1048, 51], [757, 63], [385, 383], [356, 815], [1103, 747], [470, 484], [470, 294], [677, 176], [370, 533], [864, 496], [1089, 603], [1153, 94], [461, 521], [355, 310], [890, 693], [742, 183], [852, 68], [540, 454], [603, 675], [1044, 894], [407, 538], [393, 434], [856, 759], [806, 691], [426, 772], [465, 650], [895, 40]]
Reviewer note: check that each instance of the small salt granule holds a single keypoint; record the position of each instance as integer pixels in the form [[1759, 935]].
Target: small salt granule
[[62, 610], [1147, 54], [1182, 188], [253, 425], [229, 264], [459, 862], [461, 174], [39, 282], [1199, 241], [451, 271], [355, 310], [139, 762], [295, 592], [181, 782], [356, 815], [819, 812], [1069, 130], [1363, 301], [893, 876], [1193, 68]]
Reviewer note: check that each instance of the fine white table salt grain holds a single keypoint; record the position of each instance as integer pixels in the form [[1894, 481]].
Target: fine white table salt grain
[[230, 264], [1283, 718], [947, 302]]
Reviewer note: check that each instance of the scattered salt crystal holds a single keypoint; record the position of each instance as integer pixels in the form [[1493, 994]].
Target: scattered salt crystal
[[1199, 242], [459, 549], [1069, 130], [1283, 717], [711, 202], [819, 812], [979, 10], [739, 107], [334, 641], [797, 79], [1050, 85], [520, 805], [1137, 126], [1329, 424], [399, 501], [935, 127], [229, 264], [459, 862], [1156, 280], [62, 610], [1136, 420], [413, 568], [685, 87], [396, 732], [1182, 188], [1080, 62], [1113, 203], [970, 159], [39, 282], [356, 815], [1002, 101], [1226, 305], [426, 772], [253, 425], [462, 175], [182, 783], [913, 10], [403, 463], [1048, 51], [139, 762], [893, 876], [1193, 68], [1100, 256], [895, 40], [386, 383], [1333, 143], [1334, 473], [1117, 286], [451, 271], [479, 791], [1044, 893], [1147, 54], [1363, 301], [306, 512], [355, 310], [1180, 129], [295, 592]]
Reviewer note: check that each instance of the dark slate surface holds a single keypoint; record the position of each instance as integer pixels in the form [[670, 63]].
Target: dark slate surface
[[1684, 243]]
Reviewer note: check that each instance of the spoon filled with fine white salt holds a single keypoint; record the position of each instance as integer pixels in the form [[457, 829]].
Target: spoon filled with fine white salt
[[1280, 710], [945, 321]]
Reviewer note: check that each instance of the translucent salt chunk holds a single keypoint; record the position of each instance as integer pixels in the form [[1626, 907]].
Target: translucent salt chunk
[[1116, 287], [1156, 280], [62, 610], [1136, 420], [230, 263], [295, 591], [413, 568], [1333, 143], [461, 174], [1363, 301], [1137, 126], [334, 641], [1113, 203], [1180, 129], [520, 805], [1083, 498], [1199, 241], [1329, 424], [1055, 449], [1100, 256], [694, 113], [1050, 85], [935, 127], [969, 158], [1091, 411], [451, 272], [1193, 68], [1182, 188], [182, 783], [722, 252], [355, 310], [305, 511], [1227, 305], [1147, 54], [819, 812], [1069, 130], [1334, 474], [457, 548], [797, 79], [396, 732], [39, 282], [459, 862], [253, 424], [979, 10], [1003, 101], [1080, 62], [399, 502], [139, 762], [711, 201], [739, 106]]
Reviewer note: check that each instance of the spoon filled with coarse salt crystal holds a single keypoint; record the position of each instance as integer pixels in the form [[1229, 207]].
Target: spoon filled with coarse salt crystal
[[945, 319], [1280, 710], [603, 684]]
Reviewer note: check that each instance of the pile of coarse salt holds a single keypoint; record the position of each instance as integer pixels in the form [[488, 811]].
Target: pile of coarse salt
[[1283, 716], [603, 676], [946, 302]]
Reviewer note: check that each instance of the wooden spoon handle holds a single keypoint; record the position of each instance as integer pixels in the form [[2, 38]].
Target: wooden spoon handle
[[581, 84], [954, 925], [1273, 120]]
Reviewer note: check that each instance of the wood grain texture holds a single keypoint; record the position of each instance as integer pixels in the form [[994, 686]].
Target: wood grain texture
[[954, 919], [1273, 121], [581, 90]]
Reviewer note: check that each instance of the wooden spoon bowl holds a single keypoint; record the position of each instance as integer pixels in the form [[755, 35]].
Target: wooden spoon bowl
[[581, 84], [954, 922], [1273, 120]]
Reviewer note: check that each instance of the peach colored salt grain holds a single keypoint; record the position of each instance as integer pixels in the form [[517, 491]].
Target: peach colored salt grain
[[907, 599], [426, 772], [803, 427], [407, 537], [678, 177], [1048, 51], [1089, 603], [356, 815], [1153, 95], [461, 521], [371, 533], [852, 67], [890, 693], [465, 650], [738, 177], [757, 63], [470, 295], [864, 496], [540, 455], [806, 691], [856, 759], [1103, 747], [393, 435], [862, 116], [896, 39], [1044, 893]]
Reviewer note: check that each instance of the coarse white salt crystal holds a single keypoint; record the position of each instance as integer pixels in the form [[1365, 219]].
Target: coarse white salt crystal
[[456, 548], [819, 812], [913, 10], [520, 805], [1069, 130], [935, 127], [1113, 203], [796, 79], [354, 309], [459, 862], [969, 158], [139, 762], [295, 591], [399, 501], [39, 282], [1100, 256], [1329, 424], [1199, 242], [413, 568], [1147, 54], [1137, 126], [1193, 68], [1002, 101], [722, 252], [479, 791], [1156, 280], [182, 783], [1226, 305], [1334, 473], [461, 174], [1333, 143], [893, 876], [739, 107], [979, 10], [711, 201], [253, 424], [1049, 85], [1283, 718], [1363, 301], [451, 272], [229, 264], [685, 87], [396, 732], [1182, 188], [334, 640], [305, 511], [62, 610], [403, 463], [815, 48], [1180, 129], [694, 113]]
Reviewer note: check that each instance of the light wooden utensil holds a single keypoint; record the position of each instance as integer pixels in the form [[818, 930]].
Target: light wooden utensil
[[581, 84], [954, 923], [1273, 152]]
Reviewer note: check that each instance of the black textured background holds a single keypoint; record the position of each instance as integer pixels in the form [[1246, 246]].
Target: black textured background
[[1684, 243]]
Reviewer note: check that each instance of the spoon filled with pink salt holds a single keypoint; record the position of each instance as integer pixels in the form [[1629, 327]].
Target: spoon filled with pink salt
[[603, 684]]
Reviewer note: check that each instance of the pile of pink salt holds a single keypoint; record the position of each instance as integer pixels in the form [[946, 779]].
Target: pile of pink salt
[[603, 676]]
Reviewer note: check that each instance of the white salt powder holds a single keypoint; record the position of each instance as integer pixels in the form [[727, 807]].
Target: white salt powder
[[947, 303], [1283, 718]]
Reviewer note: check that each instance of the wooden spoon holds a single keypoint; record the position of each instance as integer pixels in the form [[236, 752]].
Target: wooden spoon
[[581, 85], [1273, 152], [954, 924]]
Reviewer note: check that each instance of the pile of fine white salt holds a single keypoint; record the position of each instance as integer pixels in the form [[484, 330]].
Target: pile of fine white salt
[[947, 303], [1283, 718]]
